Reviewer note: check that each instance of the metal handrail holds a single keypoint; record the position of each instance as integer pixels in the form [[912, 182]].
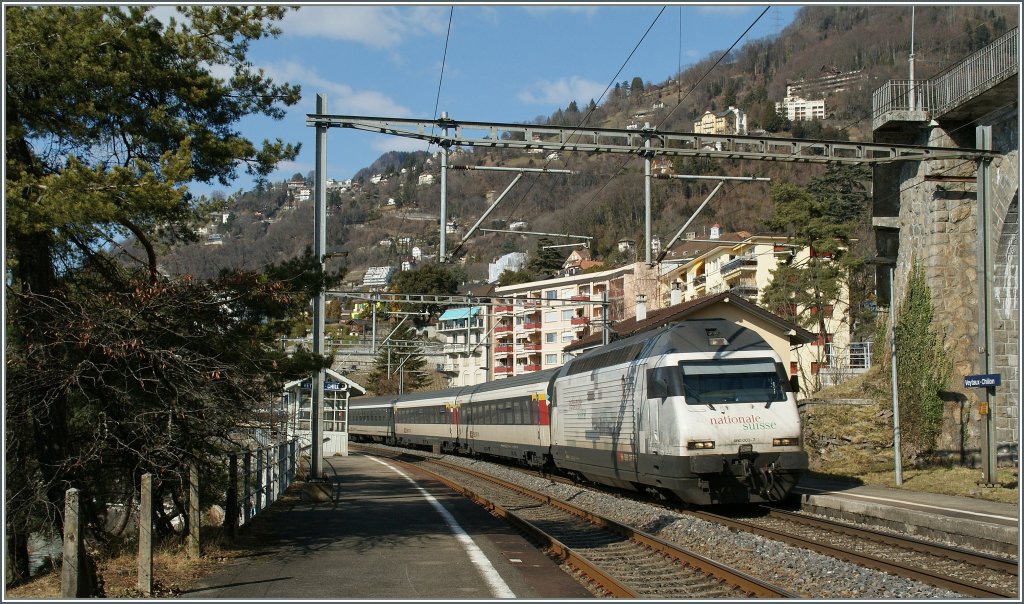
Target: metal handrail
[[953, 86]]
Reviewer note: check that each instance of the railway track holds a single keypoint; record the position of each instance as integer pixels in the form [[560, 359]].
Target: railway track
[[963, 571], [620, 560], [957, 569]]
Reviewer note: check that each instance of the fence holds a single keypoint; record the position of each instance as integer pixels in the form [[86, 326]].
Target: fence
[[266, 473], [952, 87]]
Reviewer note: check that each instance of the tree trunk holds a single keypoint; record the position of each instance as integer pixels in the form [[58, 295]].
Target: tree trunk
[[17, 556]]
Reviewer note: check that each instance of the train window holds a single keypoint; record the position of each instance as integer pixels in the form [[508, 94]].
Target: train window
[[735, 380], [613, 357], [663, 382]]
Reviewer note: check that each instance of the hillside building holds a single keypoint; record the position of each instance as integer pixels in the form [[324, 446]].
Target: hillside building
[[513, 261], [740, 264], [729, 121]]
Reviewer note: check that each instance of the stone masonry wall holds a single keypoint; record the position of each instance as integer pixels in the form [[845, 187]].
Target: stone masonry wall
[[938, 229]]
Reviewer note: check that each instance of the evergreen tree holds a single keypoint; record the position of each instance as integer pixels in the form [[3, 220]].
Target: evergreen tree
[[545, 262], [511, 277], [807, 293], [636, 86], [432, 279], [113, 369]]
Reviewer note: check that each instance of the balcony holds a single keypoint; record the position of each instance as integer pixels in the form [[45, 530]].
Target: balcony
[[580, 298], [503, 370], [503, 329], [532, 347], [535, 326], [741, 263], [503, 349], [579, 321], [841, 365], [503, 310], [530, 368], [459, 325], [746, 288]]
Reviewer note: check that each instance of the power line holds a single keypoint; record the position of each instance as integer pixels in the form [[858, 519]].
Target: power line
[[590, 112], [678, 104], [444, 59]]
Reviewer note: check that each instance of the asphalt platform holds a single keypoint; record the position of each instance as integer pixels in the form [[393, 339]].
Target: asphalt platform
[[382, 532], [382, 536]]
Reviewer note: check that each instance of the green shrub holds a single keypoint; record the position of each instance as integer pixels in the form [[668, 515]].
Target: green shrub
[[921, 368]]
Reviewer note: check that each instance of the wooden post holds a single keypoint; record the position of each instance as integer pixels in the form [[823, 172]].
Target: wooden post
[[246, 487], [259, 480], [282, 464], [231, 507], [145, 575], [292, 446], [72, 577], [193, 511]]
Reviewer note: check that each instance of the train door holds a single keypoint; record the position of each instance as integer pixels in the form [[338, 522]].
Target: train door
[[539, 413], [650, 442], [452, 412]]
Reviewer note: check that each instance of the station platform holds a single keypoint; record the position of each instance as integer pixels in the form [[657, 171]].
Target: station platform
[[960, 520], [381, 532]]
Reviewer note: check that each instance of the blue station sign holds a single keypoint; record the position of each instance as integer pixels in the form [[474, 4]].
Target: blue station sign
[[982, 380], [328, 385]]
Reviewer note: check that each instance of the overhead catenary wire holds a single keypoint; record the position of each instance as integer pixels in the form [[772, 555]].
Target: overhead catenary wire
[[622, 167], [444, 60], [590, 112]]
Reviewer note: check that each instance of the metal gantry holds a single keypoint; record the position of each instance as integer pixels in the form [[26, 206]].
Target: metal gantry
[[646, 143]]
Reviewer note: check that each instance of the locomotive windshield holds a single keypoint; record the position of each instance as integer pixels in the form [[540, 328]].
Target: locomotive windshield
[[731, 381], [709, 382]]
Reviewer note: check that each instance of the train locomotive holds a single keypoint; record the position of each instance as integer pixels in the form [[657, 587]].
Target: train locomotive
[[698, 411]]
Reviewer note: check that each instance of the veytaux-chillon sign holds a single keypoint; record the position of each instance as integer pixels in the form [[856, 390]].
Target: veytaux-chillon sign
[[983, 380]]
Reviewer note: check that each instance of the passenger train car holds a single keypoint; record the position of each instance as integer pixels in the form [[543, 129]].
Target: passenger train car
[[698, 410]]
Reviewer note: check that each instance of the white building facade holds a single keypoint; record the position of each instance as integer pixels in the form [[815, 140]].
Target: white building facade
[[464, 331], [530, 334]]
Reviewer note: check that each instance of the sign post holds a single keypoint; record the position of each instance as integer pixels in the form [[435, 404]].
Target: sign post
[[988, 381]]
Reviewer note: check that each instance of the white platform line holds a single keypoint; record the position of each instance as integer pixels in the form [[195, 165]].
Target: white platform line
[[499, 588], [900, 501]]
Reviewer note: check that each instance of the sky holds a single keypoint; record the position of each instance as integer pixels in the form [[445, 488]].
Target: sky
[[482, 62]]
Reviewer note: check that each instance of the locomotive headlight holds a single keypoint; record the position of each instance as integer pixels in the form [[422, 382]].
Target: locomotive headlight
[[785, 442], [700, 444]]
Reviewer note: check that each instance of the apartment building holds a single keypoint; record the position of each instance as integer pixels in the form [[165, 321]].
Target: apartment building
[[464, 331], [799, 109], [530, 333], [741, 263]]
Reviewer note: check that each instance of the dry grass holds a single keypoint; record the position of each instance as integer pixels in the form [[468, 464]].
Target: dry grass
[[173, 571], [855, 442]]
